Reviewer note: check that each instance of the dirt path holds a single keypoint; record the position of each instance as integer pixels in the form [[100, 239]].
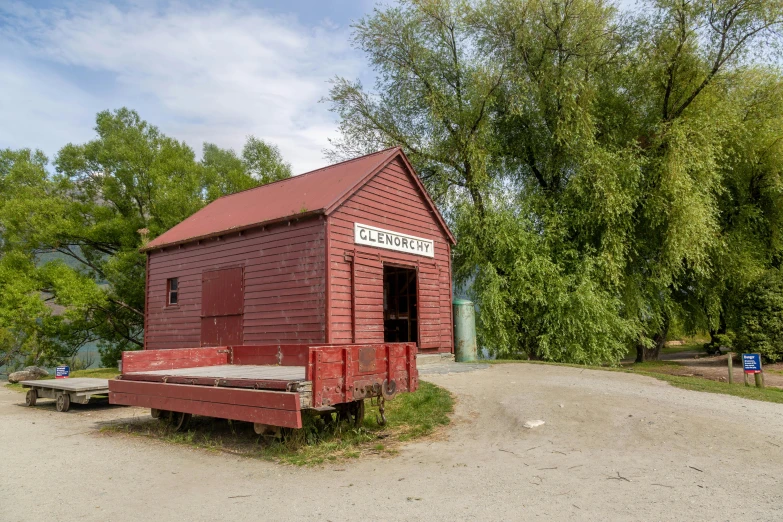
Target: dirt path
[[615, 446]]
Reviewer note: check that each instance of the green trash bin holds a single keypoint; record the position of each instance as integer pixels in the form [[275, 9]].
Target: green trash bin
[[465, 345]]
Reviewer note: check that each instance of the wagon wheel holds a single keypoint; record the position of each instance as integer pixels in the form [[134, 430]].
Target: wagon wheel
[[179, 421], [63, 402], [31, 397], [156, 413], [268, 432], [329, 420], [344, 412], [356, 412]]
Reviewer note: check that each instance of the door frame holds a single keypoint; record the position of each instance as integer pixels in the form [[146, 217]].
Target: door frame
[[415, 267]]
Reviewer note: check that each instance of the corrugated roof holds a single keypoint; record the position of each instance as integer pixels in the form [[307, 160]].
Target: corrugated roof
[[315, 192]]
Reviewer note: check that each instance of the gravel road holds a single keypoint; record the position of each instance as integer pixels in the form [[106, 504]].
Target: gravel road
[[615, 446]]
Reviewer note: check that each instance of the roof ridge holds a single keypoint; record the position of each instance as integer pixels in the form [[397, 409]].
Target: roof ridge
[[310, 172]]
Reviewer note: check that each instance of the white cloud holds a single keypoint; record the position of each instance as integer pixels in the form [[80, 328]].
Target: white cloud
[[215, 73]]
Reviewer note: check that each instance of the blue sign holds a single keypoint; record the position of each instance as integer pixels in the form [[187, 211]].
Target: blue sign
[[751, 362], [62, 372]]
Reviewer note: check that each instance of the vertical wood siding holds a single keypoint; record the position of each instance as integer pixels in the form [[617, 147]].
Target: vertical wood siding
[[390, 200], [283, 280], [368, 296]]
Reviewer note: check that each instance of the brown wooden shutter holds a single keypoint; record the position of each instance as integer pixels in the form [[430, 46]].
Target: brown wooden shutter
[[222, 304]]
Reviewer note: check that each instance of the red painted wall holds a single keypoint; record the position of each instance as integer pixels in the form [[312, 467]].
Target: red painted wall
[[390, 200], [286, 295], [283, 285]]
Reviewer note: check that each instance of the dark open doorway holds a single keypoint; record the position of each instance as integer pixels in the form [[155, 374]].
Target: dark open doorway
[[400, 306]]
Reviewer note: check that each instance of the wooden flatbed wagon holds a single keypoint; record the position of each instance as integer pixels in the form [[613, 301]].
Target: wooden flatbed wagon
[[65, 391], [270, 386]]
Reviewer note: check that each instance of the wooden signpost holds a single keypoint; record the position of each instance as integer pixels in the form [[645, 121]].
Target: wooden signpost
[[731, 368]]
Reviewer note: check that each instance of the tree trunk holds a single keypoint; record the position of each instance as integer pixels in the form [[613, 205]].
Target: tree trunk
[[643, 353], [714, 345]]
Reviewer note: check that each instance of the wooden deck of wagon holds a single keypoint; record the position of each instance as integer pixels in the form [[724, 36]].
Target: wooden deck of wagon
[[65, 391]]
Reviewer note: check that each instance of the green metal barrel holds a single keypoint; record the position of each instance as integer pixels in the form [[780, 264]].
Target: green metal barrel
[[464, 331]]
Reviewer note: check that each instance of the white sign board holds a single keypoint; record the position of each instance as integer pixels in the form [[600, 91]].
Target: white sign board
[[380, 238]]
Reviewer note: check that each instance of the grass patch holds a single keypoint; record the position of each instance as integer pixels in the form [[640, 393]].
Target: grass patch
[[96, 373], [707, 385], [409, 416], [658, 370], [651, 365]]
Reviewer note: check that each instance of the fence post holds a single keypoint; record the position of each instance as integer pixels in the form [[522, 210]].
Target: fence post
[[731, 368]]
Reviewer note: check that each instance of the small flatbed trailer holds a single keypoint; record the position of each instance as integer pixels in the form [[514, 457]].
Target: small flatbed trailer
[[268, 385], [65, 391]]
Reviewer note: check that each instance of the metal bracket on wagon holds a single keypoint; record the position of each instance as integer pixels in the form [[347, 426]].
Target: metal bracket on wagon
[[370, 389], [389, 389]]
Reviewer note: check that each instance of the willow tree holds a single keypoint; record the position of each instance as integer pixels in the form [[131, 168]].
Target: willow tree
[[433, 94], [749, 245], [685, 60], [602, 148], [572, 186]]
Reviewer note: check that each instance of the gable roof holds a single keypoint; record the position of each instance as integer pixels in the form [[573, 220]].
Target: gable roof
[[317, 192]]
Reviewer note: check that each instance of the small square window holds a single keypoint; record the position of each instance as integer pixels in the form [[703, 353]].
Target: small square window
[[172, 290]]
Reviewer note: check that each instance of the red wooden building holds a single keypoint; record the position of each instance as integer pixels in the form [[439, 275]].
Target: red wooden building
[[351, 253]]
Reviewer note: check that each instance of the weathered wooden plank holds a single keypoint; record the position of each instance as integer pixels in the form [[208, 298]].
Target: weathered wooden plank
[[234, 371], [76, 384], [285, 418], [255, 355], [171, 359], [277, 400], [255, 384]]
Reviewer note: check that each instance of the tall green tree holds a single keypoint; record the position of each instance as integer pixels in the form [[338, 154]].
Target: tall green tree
[[72, 238], [687, 57], [227, 172], [432, 96], [749, 245], [604, 145]]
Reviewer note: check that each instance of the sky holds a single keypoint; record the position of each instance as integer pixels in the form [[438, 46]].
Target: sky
[[200, 71]]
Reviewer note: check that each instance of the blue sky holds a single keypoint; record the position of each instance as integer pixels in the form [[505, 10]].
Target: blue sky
[[201, 71]]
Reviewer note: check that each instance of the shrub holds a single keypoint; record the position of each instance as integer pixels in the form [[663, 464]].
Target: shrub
[[760, 328]]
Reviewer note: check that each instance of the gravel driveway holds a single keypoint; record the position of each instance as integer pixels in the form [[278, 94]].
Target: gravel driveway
[[615, 446]]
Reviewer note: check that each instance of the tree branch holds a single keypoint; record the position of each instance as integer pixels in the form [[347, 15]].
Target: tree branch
[[126, 306]]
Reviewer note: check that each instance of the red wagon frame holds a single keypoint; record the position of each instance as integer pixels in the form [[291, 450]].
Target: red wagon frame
[[256, 383]]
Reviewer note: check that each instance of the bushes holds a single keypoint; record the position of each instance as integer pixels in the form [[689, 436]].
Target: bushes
[[760, 328]]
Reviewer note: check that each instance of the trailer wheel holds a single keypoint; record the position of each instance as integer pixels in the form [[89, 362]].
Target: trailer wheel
[[180, 421], [267, 431], [63, 402], [356, 412], [31, 398]]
